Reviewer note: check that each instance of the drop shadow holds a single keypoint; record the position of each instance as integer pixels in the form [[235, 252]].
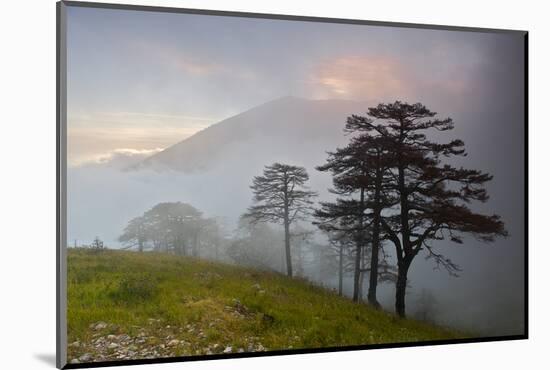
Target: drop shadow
[[47, 358]]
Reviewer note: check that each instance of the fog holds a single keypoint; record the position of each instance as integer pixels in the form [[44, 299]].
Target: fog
[[145, 91], [487, 298]]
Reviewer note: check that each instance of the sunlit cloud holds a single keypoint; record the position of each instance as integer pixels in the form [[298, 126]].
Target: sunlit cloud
[[360, 77], [91, 144], [128, 152], [119, 158], [139, 119], [169, 56], [94, 136], [194, 66]]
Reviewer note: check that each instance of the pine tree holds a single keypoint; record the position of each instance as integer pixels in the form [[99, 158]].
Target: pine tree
[[433, 195], [359, 176], [281, 196]]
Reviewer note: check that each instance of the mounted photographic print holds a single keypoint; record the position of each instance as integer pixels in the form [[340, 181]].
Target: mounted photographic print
[[234, 184]]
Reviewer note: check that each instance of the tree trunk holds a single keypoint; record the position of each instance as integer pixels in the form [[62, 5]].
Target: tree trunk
[[373, 278], [286, 222], [340, 270], [401, 288], [299, 266], [287, 247], [361, 283], [181, 246], [405, 262], [356, 274], [196, 244]]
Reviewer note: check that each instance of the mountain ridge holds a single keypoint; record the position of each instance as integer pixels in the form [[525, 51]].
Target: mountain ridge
[[260, 130]]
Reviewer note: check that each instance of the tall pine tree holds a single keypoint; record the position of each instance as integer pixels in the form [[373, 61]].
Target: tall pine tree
[[359, 174], [281, 196], [433, 195]]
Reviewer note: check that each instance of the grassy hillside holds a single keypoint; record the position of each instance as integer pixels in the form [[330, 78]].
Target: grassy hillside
[[127, 305]]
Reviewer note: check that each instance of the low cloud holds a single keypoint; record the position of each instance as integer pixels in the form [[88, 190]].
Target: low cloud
[[91, 135], [119, 158]]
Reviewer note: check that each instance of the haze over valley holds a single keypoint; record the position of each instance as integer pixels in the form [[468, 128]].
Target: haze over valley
[[220, 169]]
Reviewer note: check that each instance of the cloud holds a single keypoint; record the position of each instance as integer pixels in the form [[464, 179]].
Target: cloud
[[194, 66], [119, 158], [123, 118], [91, 135], [169, 56], [360, 77]]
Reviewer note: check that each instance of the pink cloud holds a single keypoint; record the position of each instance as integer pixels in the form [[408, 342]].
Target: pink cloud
[[361, 77], [194, 66]]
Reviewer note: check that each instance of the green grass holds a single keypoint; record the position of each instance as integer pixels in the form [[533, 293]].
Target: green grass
[[204, 303]]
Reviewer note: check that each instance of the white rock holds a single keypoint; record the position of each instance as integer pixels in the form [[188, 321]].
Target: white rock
[[228, 349], [85, 357], [112, 346], [100, 325]]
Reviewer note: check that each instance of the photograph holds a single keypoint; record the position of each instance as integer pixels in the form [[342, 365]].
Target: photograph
[[244, 184]]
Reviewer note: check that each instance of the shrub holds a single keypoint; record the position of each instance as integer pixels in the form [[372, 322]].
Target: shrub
[[133, 288], [97, 246]]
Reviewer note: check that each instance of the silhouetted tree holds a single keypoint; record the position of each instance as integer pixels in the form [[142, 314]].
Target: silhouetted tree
[[255, 245], [340, 242], [433, 196], [302, 243], [97, 244], [212, 238], [170, 226], [359, 176], [281, 196], [135, 233], [346, 214], [426, 305]]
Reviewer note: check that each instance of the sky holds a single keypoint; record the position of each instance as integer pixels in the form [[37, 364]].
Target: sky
[[141, 81]]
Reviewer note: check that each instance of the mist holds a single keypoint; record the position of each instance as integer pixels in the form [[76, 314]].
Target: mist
[[487, 297], [294, 117]]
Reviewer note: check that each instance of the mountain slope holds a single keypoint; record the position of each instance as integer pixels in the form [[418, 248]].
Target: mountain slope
[[286, 129], [130, 305]]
